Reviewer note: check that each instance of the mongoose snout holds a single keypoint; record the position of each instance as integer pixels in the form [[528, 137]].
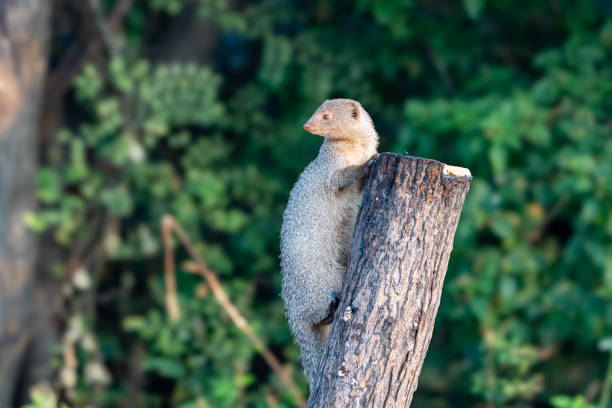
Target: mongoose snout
[[318, 223]]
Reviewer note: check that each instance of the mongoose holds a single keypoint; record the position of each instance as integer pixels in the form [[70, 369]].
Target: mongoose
[[318, 223]]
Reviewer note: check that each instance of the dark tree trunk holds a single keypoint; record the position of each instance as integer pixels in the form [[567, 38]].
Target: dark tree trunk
[[400, 251], [24, 28]]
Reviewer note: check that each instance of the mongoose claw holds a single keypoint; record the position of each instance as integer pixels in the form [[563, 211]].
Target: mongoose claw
[[370, 162], [333, 306], [327, 320], [335, 302], [372, 159]]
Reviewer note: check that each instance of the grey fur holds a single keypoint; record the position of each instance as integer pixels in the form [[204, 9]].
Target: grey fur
[[318, 222]]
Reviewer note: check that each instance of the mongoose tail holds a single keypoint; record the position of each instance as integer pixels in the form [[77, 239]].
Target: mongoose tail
[[310, 351]]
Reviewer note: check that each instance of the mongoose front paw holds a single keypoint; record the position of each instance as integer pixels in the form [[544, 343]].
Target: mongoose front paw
[[367, 166]]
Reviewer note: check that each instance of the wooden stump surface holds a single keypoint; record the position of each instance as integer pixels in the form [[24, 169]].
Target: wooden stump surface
[[400, 251]]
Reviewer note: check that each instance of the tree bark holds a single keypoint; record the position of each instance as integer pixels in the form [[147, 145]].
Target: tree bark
[[24, 28], [401, 246]]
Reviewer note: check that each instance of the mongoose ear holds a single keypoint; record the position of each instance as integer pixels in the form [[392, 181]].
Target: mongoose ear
[[355, 110]]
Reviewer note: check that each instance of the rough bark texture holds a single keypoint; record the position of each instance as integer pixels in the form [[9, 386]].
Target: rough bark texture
[[400, 251], [24, 28]]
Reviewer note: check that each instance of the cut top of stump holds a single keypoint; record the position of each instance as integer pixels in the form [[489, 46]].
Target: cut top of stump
[[456, 171]]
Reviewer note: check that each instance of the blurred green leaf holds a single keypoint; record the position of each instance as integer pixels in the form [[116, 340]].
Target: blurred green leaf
[[473, 8], [165, 367]]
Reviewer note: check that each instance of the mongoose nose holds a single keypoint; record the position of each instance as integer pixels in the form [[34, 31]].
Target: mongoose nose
[[306, 126]]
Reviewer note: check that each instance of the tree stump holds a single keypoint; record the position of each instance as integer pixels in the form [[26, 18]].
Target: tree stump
[[401, 246]]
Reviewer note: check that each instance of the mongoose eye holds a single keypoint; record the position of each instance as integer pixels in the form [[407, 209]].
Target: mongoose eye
[[354, 114], [325, 117]]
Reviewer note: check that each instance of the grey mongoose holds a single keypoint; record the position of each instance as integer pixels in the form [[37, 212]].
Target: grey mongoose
[[318, 223]]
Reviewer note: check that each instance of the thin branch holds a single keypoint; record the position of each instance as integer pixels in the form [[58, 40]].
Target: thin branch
[[61, 78], [440, 66], [118, 12], [106, 33], [201, 268], [172, 305]]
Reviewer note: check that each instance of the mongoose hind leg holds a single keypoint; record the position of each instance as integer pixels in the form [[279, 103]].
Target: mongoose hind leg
[[351, 174]]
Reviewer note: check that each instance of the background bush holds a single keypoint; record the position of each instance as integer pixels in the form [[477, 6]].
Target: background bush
[[194, 108]]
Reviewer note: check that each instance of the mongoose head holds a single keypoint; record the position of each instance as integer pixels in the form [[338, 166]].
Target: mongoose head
[[343, 119]]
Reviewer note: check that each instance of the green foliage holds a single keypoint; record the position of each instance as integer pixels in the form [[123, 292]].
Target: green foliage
[[43, 396], [521, 96], [562, 401]]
